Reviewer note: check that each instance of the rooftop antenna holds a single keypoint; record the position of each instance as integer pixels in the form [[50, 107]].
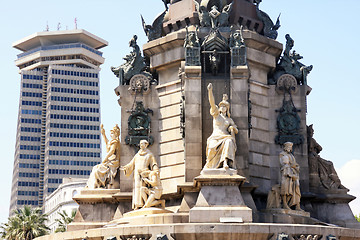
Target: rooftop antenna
[[58, 26], [75, 20], [47, 26]]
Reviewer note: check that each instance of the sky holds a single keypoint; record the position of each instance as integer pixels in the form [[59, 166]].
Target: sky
[[325, 34]]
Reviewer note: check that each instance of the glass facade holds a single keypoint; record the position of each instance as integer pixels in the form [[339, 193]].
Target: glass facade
[[58, 126]]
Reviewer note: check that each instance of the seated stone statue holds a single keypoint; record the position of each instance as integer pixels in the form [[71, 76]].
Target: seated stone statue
[[134, 64], [323, 170], [103, 175], [221, 145], [290, 186], [151, 193], [144, 160]]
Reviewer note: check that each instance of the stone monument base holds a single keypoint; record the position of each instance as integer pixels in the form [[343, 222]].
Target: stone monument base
[[219, 197], [211, 231], [145, 212]]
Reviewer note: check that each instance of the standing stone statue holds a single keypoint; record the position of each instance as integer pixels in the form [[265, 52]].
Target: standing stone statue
[[103, 175], [143, 161], [290, 186], [221, 145]]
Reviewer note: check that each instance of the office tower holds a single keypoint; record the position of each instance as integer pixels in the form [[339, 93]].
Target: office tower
[[58, 133]]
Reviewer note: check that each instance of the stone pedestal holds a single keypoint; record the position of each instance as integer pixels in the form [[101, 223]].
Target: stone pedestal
[[99, 206], [219, 199]]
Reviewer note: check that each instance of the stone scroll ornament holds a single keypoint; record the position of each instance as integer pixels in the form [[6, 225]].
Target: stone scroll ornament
[[289, 64], [134, 65], [288, 120], [139, 124]]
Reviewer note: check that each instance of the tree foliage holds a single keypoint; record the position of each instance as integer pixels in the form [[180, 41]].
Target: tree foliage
[[25, 224], [64, 220], [357, 217]]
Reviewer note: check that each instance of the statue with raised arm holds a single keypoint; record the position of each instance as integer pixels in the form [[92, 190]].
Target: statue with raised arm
[[103, 175], [290, 185], [144, 160], [221, 145]]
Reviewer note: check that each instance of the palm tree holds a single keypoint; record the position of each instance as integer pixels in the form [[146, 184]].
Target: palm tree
[[26, 224], [357, 217], [64, 220]]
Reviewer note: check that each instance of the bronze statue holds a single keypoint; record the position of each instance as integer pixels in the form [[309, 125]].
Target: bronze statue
[[154, 31], [134, 64], [192, 48], [270, 29]]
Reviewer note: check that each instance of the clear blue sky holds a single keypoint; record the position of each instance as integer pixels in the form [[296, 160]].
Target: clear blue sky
[[325, 33]]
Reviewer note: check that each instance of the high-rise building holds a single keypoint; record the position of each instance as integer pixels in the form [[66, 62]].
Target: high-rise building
[[58, 133]]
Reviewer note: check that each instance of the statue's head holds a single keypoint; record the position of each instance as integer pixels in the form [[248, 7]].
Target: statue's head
[[224, 105], [115, 132], [144, 144], [310, 130], [288, 146]]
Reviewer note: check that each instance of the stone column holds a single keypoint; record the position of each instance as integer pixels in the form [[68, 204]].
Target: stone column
[[193, 121]]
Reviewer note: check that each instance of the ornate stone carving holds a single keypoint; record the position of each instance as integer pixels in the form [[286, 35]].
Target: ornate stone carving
[[136, 237], [282, 236], [288, 120], [221, 145], [162, 237], [322, 172], [270, 29], [290, 186], [237, 49], [103, 175], [331, 237], [289, 64], [286, 84], [192, 48], [154, 31], [139, 126], [140, 83], [147, 186], [134, 64], [307, 237]]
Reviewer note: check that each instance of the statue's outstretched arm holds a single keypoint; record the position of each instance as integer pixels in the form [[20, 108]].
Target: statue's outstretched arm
[[211, 97], [103, 134]]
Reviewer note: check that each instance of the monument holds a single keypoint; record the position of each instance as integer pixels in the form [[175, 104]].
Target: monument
[[208, 150]]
